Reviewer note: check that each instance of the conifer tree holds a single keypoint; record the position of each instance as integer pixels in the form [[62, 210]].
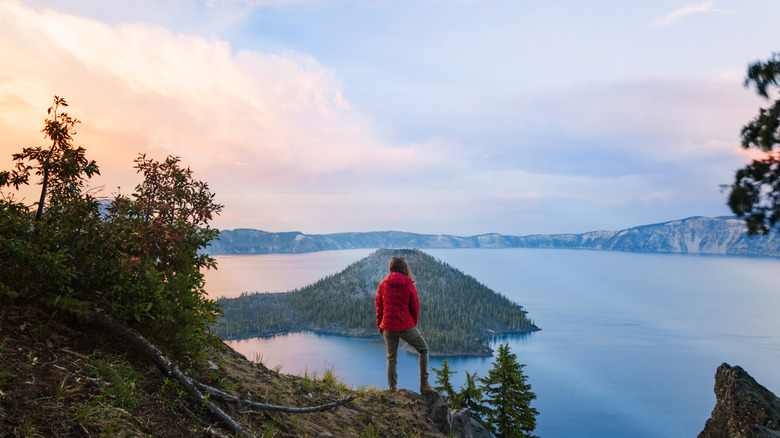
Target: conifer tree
[[443, 381], [509, 397], [755, 194], [470, 397]]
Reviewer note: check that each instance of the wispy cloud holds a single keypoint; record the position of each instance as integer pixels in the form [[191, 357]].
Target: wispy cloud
[[519, 196], [283, 116], [706, 7], [273, 3], [393, 116], [255, 125]]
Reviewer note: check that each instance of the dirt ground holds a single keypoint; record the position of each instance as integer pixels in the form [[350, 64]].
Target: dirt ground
[[61, 379]]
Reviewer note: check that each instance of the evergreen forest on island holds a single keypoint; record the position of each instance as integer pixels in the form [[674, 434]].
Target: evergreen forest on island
[[458, 314]]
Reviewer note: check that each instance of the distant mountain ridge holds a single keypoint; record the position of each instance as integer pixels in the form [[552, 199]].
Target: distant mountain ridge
[[694, 235]]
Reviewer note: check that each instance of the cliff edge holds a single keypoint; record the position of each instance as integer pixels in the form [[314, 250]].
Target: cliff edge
[[62, 378], [744, 408]]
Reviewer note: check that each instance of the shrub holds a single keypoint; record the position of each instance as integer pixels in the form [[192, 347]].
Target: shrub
[[136, 257]]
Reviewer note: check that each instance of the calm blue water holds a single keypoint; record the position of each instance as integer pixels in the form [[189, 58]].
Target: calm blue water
[[629, 342]]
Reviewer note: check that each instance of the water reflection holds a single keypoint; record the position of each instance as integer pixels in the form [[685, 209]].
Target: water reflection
[[356, 361], [236, 274], [629, 342]]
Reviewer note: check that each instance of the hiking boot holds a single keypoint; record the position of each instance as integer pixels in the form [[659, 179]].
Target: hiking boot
[[425, 387]]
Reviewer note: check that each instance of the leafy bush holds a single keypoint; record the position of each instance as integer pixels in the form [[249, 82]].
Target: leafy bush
[[135, 257]]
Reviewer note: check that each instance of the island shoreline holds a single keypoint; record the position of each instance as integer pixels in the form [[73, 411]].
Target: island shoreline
[[431, 352]]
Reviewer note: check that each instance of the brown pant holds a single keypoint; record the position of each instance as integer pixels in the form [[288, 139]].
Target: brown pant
[[412, 337]]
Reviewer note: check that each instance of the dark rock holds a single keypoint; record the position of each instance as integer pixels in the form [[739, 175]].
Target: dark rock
[[438, 411], [744, 408], [461, 423], [430, 397], [463, 426], [454, 423], [479, 430]]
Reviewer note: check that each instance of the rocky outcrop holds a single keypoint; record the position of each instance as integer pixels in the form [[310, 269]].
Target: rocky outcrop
[[744, 408], [452, 422], [694, 235], [437, 411], [464, 426]]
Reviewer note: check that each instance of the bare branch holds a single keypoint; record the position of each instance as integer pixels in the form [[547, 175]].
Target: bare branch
[[165, 365], [195, 388], [231, 398]]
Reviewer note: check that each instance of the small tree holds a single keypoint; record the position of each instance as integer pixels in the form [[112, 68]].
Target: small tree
[[137, 263], [509, 395], [35, 249], [146, 258], [443, 384], [470, 397], [755, 193], [139, 259], [62, 168]]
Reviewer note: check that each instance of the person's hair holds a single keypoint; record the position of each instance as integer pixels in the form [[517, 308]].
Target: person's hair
[[398, 264]]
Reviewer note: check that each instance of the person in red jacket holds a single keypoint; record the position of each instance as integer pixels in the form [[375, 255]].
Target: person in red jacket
[[397, 311]]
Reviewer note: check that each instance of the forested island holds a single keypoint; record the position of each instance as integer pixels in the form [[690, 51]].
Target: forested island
[[458, 314]]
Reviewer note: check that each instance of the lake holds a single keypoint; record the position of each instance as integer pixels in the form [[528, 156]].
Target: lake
[[629, 343]]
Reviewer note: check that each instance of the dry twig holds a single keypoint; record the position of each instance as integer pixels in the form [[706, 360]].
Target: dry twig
[[192, 386]]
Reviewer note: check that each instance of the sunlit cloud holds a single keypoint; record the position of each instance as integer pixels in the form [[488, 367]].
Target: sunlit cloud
[[706, 7], [274, 3], [323, 116], [657, 197], [264, 120], [752, 154]]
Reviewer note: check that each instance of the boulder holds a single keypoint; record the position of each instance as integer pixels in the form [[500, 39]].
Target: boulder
[[438, 412], [463, 426], [455, 422], [461, 423], [479, 430], [744, 408]]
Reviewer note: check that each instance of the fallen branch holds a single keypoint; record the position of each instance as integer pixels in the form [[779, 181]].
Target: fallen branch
[[231, 398], [192, 386], [165, 365]]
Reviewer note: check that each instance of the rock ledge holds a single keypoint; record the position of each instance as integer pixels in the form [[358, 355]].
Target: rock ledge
[[744, 408]]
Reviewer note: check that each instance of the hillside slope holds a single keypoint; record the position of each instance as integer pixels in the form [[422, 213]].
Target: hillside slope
[[61, 379], [458, 314], [695, 235]]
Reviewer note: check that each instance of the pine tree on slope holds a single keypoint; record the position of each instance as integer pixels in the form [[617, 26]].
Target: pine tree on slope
[[470, 397], [443, 384], [509, 397]]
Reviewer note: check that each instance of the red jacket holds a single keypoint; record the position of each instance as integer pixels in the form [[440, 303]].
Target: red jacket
[[397, 305]]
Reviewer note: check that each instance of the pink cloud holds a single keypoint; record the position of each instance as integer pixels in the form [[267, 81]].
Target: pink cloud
[[750, 154], [706, 7], [244, 121], [657, 197]]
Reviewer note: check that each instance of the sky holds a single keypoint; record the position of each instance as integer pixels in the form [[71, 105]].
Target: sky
[[458, 117]]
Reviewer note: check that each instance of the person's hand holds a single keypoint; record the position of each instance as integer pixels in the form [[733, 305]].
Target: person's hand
[[381, 332]]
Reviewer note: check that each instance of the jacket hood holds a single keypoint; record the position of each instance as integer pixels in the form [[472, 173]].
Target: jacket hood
[[397, 279]]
